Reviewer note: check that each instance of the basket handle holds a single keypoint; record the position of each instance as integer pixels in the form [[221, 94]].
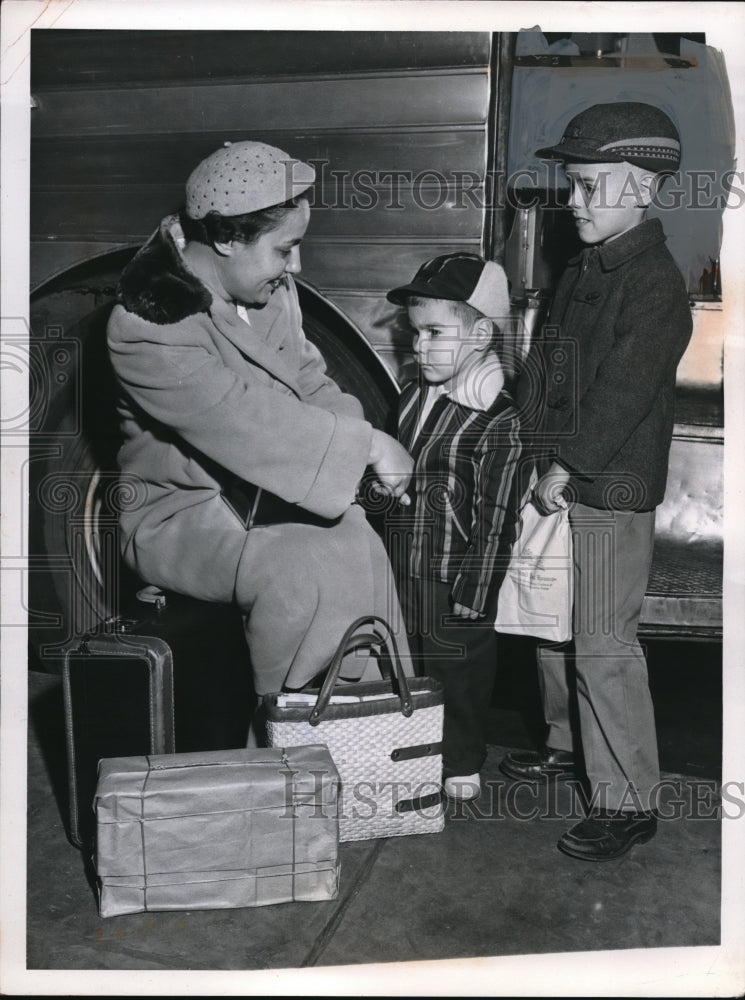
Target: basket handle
[[348, 643]]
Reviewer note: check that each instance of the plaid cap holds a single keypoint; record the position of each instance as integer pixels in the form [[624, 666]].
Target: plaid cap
[[620, 132], [244, 177], [460, 277]]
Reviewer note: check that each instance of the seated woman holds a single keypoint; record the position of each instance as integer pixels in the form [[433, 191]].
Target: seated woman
[[249, 453]]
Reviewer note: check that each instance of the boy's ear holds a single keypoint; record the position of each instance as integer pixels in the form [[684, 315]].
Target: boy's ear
[[482, 333], [224, 249], [648, 187]]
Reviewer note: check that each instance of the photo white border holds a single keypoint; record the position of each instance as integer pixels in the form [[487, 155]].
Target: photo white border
[[705, 971]]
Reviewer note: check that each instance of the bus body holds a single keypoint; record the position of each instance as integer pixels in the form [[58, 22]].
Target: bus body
[[417, 139]]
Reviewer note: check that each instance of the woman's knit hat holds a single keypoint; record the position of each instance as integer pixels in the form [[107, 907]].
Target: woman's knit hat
[[244, 177]]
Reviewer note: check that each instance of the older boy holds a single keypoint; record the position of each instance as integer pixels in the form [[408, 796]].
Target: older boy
[[460, 426], [608, 421]]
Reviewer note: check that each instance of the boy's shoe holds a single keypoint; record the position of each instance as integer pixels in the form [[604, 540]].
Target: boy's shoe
[[604, 836], [463, 788], [543, 765]]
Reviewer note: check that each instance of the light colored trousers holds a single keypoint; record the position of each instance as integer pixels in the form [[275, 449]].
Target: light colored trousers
[[612, 558]]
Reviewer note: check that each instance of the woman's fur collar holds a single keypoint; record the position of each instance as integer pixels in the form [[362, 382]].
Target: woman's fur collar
[[157, 286]]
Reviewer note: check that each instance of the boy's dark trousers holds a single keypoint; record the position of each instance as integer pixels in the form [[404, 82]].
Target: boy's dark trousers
[[462, 654]]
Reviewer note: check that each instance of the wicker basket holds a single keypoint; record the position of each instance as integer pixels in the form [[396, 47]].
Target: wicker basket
[[385, 738]]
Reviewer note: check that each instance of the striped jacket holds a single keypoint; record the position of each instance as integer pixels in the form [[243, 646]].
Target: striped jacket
[[466, 491]]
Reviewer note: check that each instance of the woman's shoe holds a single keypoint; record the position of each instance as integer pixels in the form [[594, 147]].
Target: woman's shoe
[[463, 788]]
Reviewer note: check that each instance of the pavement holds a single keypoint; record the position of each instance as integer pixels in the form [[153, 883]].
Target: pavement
[[491, 884]]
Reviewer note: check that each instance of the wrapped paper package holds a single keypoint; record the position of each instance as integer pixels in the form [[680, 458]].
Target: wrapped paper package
[[218, 829]]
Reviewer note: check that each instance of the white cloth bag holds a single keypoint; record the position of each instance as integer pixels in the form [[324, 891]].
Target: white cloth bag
[[536, 595]]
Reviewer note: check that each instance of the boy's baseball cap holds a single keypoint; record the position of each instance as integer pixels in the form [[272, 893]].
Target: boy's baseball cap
[[460, 277], [622, 131], [244, 177]]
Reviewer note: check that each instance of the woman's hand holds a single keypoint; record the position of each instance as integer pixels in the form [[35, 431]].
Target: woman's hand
[[463, 612], [392, 465], [548, 493]]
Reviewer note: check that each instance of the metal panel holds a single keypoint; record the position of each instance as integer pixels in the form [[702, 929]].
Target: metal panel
[[445, 98], [168, 159], [370, 266], [684, 594], [77, 57], [133, 213]]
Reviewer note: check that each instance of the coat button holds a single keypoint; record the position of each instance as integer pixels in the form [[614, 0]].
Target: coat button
[[592, 296]]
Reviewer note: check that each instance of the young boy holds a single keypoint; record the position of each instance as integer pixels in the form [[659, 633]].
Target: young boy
[[619, 323], [459, 424]]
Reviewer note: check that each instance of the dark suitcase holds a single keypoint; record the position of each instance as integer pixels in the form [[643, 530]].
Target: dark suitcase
[[170, 675]]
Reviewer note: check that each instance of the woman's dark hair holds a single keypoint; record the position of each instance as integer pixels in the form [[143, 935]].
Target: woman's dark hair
[[215, 228]]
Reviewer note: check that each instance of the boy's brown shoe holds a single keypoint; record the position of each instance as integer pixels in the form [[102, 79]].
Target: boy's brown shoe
[[543, 765], [605, 836]]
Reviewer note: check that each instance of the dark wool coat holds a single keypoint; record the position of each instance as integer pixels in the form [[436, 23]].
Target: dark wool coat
[[600, 380], [207, 397]]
